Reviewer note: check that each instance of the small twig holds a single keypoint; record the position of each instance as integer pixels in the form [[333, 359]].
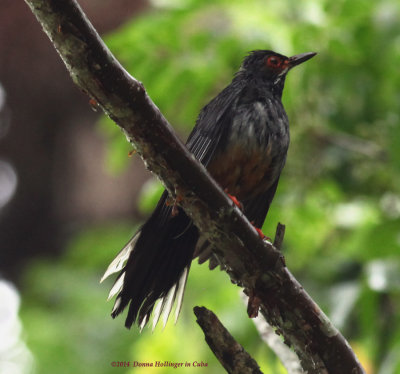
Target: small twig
[[228, 351], [279, 235]]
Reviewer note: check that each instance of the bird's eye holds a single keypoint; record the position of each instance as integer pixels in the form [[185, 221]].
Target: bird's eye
[[273, 61]]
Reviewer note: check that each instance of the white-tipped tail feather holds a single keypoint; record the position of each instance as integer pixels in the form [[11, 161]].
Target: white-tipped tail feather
[[143, 324], [181, 292], [164, 305], [119, 261], [157, 313], [117, 287], [168, 304]]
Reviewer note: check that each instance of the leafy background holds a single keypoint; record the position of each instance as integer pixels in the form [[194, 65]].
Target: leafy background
[[338, 197]]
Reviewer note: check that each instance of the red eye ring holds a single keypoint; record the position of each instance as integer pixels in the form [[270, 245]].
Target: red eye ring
[[273, 61]]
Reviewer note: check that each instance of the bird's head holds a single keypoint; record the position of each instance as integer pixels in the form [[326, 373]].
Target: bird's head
[[271, 66]]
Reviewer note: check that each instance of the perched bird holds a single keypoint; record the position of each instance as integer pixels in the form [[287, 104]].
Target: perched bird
[[242, 137]]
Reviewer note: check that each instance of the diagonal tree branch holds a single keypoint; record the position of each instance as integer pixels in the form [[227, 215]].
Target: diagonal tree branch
[[255, 265], [228, 351]]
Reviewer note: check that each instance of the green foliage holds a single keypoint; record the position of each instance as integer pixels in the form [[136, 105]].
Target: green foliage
[[339, 194], [64, 306], [69, 328], [150, 194]]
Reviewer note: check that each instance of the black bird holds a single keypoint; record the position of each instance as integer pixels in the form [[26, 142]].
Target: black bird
[[242, 138]]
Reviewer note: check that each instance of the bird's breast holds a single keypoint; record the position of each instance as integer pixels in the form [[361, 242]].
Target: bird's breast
[[254, 152], [242, 173]]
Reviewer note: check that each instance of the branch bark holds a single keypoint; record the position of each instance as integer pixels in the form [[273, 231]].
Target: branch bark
[[255, 265], [267, 333]]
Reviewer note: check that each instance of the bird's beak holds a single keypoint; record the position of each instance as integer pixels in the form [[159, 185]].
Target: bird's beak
[[299, 59]]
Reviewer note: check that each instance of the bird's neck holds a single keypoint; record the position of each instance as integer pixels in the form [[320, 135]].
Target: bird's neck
[[273, 86]]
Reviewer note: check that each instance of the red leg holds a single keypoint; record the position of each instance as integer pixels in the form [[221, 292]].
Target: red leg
[[174, 204], [235, 200], [240, 206], [260, 233]]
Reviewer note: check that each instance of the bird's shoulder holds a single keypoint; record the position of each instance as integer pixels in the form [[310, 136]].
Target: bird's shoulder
[[238, 94], [220, 104], [213, 121]]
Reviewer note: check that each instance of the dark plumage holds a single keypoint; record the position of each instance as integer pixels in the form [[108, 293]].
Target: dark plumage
[[242, 137]]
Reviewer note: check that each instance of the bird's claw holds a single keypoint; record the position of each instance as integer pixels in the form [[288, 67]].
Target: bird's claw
[[235, 200], [260, 233], [174, 203]]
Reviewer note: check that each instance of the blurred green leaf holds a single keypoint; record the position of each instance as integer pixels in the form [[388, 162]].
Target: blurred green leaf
[[149, 195]]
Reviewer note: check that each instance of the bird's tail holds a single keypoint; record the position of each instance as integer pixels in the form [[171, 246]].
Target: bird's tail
[[154, 265]]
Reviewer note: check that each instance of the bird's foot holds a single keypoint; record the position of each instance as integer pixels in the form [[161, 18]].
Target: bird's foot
[[93, 104], [234, 199], [174, 203], [260, 233], [132, 152]]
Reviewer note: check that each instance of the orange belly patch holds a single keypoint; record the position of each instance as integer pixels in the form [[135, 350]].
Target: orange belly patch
[[243, 172]]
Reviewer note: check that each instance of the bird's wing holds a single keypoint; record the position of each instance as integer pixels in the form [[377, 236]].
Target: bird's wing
[[204, 139], [175, 233], [213, 123], [256, 209]]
